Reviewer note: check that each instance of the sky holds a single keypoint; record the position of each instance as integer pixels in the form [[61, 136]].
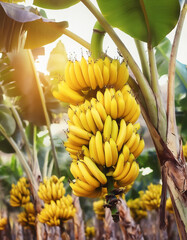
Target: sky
[[81, 22]]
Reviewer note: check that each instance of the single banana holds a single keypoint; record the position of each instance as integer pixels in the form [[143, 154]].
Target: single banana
[[114, 151], [128, 104], [126, 153], [132, 111], [93, 81], [85, 151], [71, 113], [107, 101], [136, 115], [120, 104], [131, 158], [136, 143], [85, 186], [84, 122], [101, 110], [73, 77], [95, 170], [74, 169], [100, 97], [119, 165], [131, 140], [106, 74], [88, 175], [53, 189], [79, 132], [99, 148], [129, 132], [108, 154], [125, 171], [107, 130], [68, 78], [98, 75], [76, 121], [121, 135], [114, 108], [115, 130], [77, 188], [93, 150], [123, 76], [84, 69], [97, 119], [71, 144], [139, 149], [113, 72], [90, 121], [79, 75]]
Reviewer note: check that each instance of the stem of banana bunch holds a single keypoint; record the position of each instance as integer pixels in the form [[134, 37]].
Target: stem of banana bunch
[[21, 159], [162, 122], [144, 85], [172, 134], [45, 111], [143, 59]]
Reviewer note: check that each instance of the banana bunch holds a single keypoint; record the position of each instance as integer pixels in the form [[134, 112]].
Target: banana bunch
[[152, 196], [184, 147], [90, 232], [20, 193], [55, 213], [83, 78], [51, 189], [169, 206], [28, 216], [137, 208], [98, 207], [3, 223]]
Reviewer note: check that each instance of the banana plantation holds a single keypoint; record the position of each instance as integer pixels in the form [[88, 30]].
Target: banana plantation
[[95, 146]]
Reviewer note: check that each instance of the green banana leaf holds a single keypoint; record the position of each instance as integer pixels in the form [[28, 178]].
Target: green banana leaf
[[55, 4], [18, 21], [146, 20], [7, 122]]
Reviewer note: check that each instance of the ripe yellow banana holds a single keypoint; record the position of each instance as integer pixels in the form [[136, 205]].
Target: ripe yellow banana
[[128, 104], [98, 75], [132, 111], [84, 69], [139, 149], [106, 74], [73, 77], [136, 126], [129, 131], [84, 185], [108, 154], [114, 108], [84, 121], [136, 143], [101, 110], [68, 78], [79, 75], [76, 121], [99, 148], [136, 115], [78, 189], [120, 104], [123, 76], [93, 102], [85, 151], [93, 81], [79, 132], [126, 152], [97, 119], [71, 113], [100, 97], [107, 101], [115, 129], [113, 72], [90, 121], [74, 169], [107, 130], [131, 158], [121, 135], [114, 151], [131, 140], [119, 165], [88, 175], [93, 150], [66, 94], [95, 170], [125, 171]]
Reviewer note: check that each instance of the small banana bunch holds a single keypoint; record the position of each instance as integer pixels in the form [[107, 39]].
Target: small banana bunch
[[169, 206], [58, 211], [152, 196], [83, 78], [20, 193], [3, 223], [137, 207], [90, 232], [51, 189], [28, 216], [98, 207]]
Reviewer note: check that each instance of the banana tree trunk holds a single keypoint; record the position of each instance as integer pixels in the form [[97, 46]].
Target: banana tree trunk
[[174, 177]]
